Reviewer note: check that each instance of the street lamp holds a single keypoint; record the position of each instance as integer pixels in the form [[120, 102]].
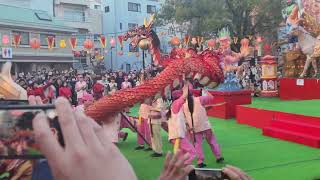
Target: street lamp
[[144, 45], [112, 45]]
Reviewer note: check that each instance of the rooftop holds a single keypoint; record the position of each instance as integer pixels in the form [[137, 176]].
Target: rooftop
[[12, 16]]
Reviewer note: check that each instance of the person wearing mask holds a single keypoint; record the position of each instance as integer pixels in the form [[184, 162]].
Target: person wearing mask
[[81, 87], [126, 84], [113, 86], [65, 91], [199, 125], [104, 81]]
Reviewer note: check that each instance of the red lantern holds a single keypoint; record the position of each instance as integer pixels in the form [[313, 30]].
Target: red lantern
[[5, 40], [35, 43], [112, 42], [175, 41], [212, 43], [88, 44]]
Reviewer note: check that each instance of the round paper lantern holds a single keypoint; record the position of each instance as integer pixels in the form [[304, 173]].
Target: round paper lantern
[[112, 42], [35, 43], [63, 44], [212, 43], [88, 44], [175, 41], [144, 44], [5, 39]]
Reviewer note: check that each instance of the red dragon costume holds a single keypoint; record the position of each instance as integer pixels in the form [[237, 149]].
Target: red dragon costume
[[181, 62]]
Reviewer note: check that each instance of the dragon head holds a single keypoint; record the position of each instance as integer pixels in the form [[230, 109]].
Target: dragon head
[[139, 33]]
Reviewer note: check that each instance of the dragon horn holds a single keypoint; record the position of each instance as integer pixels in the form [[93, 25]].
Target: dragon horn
[[145, 22], [152, 18]]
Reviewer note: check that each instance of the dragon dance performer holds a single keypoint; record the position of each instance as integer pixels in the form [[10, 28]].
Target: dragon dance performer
[[143, 125], [201, 125], [177, 125], [156, 120]]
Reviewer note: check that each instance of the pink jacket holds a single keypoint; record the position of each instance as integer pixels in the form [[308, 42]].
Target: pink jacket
[[200, 117], [177, 121]]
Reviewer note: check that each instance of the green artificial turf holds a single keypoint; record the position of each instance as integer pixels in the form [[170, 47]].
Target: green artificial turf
[[310, 107], [264, 158]]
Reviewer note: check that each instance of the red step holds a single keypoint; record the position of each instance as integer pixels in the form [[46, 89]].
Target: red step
[[293, 126], [298, 137]]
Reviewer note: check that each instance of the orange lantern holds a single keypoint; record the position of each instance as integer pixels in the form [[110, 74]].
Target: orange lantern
[[35, 43], [144, 44], [212, 43], [5, 40], [175, 41], [88, 44]]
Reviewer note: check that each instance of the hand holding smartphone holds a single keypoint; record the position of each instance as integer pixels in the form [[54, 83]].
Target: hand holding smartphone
[[207, 174]]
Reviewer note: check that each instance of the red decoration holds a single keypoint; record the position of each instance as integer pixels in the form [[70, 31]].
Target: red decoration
[[88, 44], [212, 43], [120, 53], [112, 42], [103, 41], [175, 41], [16, 40], [77, 53], [35, 43], [73, 42], [50, 41], [5, 40], [120, 38]]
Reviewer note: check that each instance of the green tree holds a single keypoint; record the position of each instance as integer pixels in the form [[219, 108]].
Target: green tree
[[207, 17]]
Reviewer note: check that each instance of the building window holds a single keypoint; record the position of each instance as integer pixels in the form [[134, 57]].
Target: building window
[[106, 9], [151, 9], [135, 7], [74, 14], [98, 7], [120, 26], [43, 40], [25, 37], [132, 25], [133, 49]]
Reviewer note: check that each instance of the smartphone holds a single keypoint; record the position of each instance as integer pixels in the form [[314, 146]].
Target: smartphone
[[13, 102], [16, 133], [207, 174]]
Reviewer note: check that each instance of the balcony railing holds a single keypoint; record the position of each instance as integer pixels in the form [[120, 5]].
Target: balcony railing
[[75, 2]]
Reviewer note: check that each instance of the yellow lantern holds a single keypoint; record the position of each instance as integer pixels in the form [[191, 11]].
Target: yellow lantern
[[63, 43], [144, 44]]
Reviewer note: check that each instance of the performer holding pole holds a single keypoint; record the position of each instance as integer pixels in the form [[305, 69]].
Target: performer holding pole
[[202, 127], [177, 125], [156, 120]]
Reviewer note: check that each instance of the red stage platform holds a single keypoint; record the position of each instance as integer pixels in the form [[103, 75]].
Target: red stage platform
[[290, 127], [230, 100], [299, 89]]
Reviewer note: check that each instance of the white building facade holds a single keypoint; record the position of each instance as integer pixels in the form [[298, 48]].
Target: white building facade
[[118, 17]]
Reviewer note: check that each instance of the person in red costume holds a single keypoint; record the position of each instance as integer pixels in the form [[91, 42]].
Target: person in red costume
[[38, 90], [97, 89], [65, 91]]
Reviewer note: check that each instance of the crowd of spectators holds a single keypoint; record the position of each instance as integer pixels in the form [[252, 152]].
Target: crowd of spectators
[[50, 84]]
